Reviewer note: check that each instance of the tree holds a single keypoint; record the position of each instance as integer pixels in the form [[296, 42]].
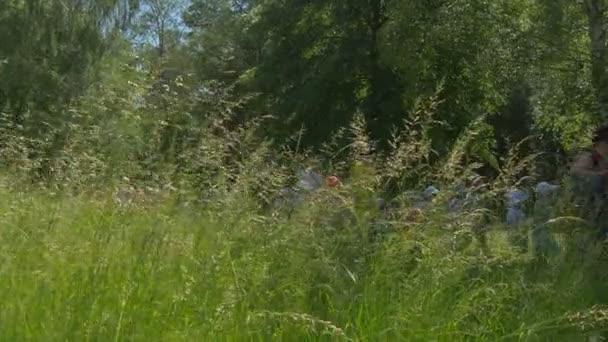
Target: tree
[[220, 39], [596, 11], [159, 23], [49, 51], [555, 51], [321, 64]]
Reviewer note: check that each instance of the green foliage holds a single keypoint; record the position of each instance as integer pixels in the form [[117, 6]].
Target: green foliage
[[48, 50], [144, 167], [524, 65], [81, 266]]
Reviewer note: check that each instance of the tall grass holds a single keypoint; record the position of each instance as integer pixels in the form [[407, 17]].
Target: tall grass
[[194, 247], [77, 268]]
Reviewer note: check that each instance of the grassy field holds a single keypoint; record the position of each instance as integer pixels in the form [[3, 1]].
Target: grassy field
[[84, 269]]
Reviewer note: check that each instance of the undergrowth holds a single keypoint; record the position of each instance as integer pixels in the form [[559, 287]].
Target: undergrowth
[[110, 243]]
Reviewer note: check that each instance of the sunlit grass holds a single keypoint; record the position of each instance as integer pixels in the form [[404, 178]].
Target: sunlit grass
[[82, 269]]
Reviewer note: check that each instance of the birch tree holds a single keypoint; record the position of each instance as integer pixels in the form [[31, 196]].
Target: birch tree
[[596, 14]]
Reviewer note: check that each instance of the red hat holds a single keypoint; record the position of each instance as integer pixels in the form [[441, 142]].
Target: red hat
[[332, 181]]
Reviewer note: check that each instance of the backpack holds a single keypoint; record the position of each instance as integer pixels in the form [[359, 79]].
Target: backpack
[[601, 182], [596, 157], [589, 191]]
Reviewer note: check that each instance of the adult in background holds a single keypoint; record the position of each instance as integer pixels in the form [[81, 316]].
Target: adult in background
[[590, 173]]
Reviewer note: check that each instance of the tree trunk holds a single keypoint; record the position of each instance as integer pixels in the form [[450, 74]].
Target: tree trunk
[[375, 21], [161, 41], [596, 10]]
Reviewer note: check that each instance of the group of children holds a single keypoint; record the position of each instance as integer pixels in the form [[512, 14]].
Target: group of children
[[589, 173]]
